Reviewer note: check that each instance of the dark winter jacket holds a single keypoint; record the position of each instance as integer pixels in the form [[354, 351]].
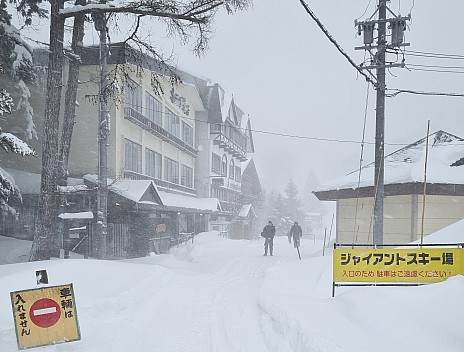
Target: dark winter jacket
[[296, 232], [268, 231]]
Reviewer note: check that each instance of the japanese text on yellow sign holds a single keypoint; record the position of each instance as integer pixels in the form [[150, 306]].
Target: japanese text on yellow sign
[[418, 265], [45, 316]]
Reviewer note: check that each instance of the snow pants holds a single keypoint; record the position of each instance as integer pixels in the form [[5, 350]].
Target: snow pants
[[268, 244]]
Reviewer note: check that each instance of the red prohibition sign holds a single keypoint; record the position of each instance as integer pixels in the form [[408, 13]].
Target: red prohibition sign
[[45, 313]]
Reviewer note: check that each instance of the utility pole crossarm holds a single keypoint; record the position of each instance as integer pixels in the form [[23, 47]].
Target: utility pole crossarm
[[396, 27]]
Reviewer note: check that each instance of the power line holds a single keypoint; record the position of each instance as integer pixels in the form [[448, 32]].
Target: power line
[[399, 91], [408, 53], [437, 66], [320, 139], [433, 70], [334, 42], [435, 55]]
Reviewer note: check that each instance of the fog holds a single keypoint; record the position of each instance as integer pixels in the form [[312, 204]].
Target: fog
[[291, 80]]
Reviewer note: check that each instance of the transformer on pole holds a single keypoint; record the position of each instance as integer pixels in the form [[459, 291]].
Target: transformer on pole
[[378, 52]]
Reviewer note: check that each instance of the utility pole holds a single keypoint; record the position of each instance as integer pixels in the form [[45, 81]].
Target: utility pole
[[397, 25], [100, 22]]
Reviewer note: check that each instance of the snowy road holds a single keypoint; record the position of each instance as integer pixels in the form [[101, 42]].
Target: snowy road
[[220, 295], [212, 304]]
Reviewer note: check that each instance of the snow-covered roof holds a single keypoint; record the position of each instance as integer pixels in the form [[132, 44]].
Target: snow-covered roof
[[406, 165], [184, 202], [246, 211], [79, 215], [138, 191]]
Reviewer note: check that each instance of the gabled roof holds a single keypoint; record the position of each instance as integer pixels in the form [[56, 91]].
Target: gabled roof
[[404, 170], [247, 211], [235, 114], [251, 145], [250, 179], [215, 103], [137, 191]]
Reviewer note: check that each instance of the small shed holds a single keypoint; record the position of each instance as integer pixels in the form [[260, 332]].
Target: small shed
[[244, 225], [76, 232]]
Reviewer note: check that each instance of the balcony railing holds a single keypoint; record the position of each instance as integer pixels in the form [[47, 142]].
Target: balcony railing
[[131, 175], [136, 117], [224, 142], [231, 133]]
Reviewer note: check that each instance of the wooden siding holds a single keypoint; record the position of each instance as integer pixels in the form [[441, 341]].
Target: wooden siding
[[402, 217]]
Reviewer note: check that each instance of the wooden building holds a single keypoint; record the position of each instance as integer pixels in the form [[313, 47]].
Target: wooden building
[[404, 201]]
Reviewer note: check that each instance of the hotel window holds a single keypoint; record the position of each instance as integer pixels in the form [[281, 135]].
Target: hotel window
[[216, 163], [154, 109], [186, 176], [172, 123], [133, 156], [238, 174], [187, 134], [133, 96], [231, 169], [171, 170], [153, 164], [224, 165]]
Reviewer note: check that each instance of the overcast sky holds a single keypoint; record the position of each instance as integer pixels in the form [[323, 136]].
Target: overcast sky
[[291, 80]]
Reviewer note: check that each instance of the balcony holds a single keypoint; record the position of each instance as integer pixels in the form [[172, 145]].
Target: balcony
[[229, 146], [161, 184], [155, 129]]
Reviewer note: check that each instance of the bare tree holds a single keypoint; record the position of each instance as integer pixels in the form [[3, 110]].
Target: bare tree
[[188, 18]]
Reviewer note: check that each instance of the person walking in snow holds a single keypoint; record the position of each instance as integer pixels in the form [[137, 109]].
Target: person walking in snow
[[296, 233], [268, 234]]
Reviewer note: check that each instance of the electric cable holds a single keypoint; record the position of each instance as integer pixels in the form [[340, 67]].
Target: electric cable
[[355, 237], [334, 42]]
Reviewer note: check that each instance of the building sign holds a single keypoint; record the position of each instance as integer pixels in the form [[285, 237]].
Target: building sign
[[412, 265], [180, 101], [45, 316], [160, 228]]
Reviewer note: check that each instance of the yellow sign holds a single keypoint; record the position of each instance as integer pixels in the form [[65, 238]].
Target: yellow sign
[[45, 316], [413, 265]]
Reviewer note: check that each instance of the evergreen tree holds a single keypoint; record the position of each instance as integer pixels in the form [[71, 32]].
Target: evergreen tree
[[294, 205], [16, 56], [9, 143]]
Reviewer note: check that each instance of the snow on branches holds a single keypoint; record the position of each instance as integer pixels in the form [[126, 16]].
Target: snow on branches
[[16, 58], [6, 102], [9, 142]]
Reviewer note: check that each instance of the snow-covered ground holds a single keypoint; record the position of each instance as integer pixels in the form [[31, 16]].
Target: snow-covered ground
[[222, 295]]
